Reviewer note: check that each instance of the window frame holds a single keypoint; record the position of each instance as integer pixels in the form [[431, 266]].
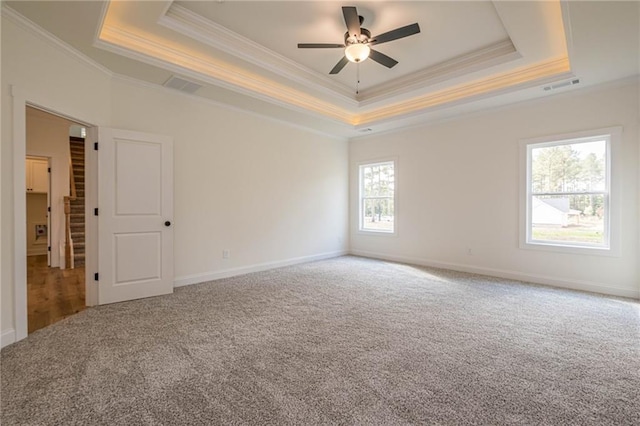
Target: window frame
[[362, 198], [610, 247]]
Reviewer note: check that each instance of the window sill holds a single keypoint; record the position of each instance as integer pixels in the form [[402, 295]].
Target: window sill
[[568, 249], [377, 233]]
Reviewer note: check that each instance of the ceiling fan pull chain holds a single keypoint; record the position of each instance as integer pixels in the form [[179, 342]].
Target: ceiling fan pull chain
[[357, 78]]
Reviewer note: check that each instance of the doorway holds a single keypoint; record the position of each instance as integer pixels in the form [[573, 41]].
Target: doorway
[[54, 178], [109, 138]]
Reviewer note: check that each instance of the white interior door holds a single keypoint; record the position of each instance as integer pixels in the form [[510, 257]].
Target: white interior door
[[135, 201]]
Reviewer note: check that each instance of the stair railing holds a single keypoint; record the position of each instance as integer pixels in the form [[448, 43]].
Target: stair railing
[[68, 246]]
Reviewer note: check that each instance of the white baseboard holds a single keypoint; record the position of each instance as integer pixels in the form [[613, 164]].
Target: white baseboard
[[232, 272], [7, 337], [502, 273]]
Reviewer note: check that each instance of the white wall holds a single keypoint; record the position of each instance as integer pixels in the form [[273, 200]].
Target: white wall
[[268, 192], [48, 136], [49, 77], [458, 188]]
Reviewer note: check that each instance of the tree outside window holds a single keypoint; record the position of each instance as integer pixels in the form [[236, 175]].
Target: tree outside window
[[568, 192], [377, 197]]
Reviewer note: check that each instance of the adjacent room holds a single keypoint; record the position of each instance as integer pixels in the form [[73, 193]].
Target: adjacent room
[[54, 201], [319, 212]]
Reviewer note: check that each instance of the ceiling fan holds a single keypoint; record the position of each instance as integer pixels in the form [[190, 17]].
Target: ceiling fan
[[358, 41]]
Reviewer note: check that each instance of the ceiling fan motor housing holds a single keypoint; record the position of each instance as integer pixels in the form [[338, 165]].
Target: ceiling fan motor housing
[[364, 37]]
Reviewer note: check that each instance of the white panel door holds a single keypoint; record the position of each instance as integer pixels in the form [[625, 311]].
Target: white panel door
[[135, 201]]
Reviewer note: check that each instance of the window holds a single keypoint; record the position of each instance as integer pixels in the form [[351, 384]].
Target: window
[[568, 192], [377, 197]]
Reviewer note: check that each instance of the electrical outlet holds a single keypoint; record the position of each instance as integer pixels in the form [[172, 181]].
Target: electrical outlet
[[226, 254]]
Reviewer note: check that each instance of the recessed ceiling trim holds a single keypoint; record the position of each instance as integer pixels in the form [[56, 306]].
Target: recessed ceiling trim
[[101, 19], [191, 24], [188, 23], [531, 76], [156, 49], [141, 48], [207, 79], [494, 54]]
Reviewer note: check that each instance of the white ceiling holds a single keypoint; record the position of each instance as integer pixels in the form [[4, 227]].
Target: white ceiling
[[468, 56], [322, 22]]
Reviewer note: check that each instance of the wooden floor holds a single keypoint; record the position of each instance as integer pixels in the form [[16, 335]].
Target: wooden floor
[[52, 293]]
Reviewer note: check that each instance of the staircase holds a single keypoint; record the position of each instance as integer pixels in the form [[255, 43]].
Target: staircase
[[77, 204]]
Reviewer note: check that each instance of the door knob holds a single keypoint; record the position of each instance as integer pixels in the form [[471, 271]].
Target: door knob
[[167, 223]]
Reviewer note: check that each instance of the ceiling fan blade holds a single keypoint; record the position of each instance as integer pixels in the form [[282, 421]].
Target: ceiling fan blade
[[318, 45], [352, 20], [396, 34], [383, 59], [344, 61]]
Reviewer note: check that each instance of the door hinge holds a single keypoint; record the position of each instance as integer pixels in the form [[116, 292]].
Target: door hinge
[[49, 169], [49, 248], [49, 209], [95, 146], [96, 276], [95, 211]]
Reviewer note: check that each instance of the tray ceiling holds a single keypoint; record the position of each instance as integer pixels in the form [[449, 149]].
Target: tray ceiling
[[245, 53], [440, 39]]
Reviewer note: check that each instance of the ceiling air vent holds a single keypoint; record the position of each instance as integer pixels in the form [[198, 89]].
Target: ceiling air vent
[[562, 84], [182, 85]]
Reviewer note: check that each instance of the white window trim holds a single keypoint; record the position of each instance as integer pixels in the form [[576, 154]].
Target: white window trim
[[359, 166], [612, 223]]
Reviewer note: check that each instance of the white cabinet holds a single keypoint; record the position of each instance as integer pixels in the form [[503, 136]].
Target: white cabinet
[[37, 177]]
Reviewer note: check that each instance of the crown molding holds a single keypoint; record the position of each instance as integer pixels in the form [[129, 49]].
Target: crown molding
[[186, 22], [572, 91], [541, 73], [34, 29], [159, 54], [127, 43], [103, 15], [495, 54]]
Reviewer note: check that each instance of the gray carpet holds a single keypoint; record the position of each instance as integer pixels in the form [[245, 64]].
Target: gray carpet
[[342, 341]]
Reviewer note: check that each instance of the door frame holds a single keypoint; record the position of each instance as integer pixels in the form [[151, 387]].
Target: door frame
[[20, 101]]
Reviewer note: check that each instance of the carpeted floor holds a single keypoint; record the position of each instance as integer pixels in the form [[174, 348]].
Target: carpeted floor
[[342, 341]]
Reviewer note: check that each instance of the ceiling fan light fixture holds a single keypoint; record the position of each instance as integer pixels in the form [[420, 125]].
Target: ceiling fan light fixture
[[358, 41], [357, 52]]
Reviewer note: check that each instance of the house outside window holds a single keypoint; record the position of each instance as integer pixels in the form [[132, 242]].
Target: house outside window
[[377, 210], [568, 186]]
